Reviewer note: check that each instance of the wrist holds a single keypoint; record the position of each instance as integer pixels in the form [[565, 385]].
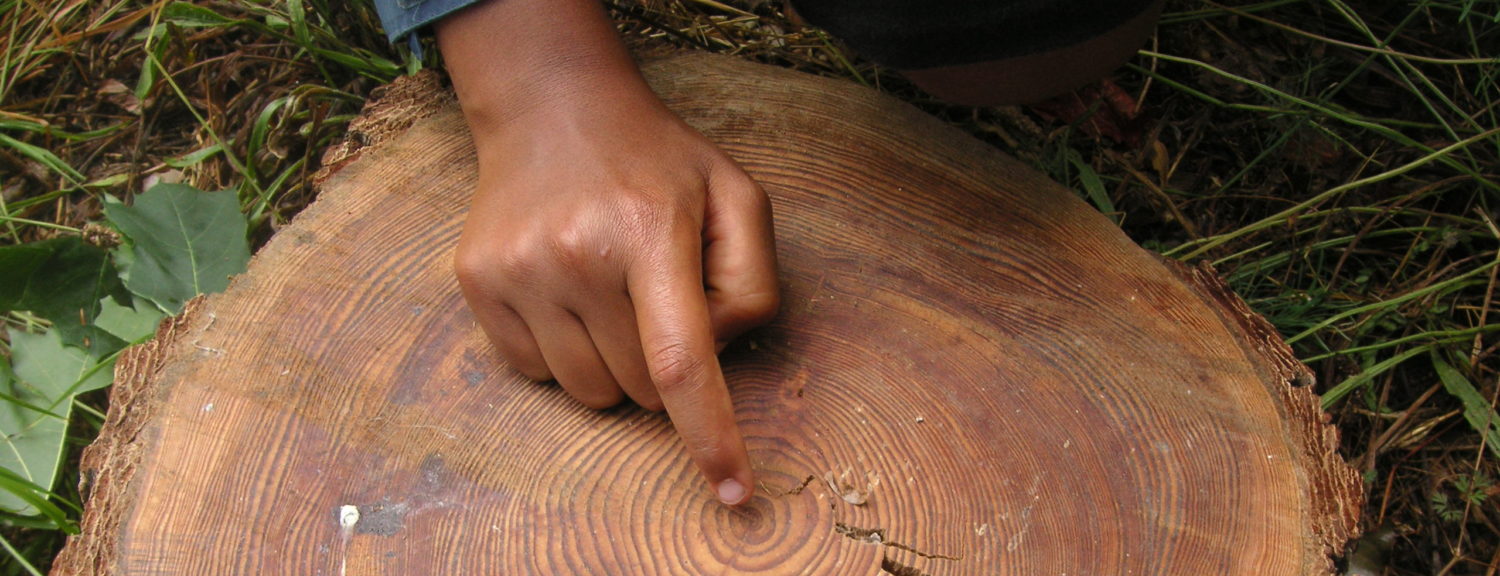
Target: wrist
[[521, 60], [555, 100]]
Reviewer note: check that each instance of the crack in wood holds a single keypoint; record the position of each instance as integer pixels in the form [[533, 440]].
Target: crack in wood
[[877, 536], [895, 568], [793, 491], [866, 535]]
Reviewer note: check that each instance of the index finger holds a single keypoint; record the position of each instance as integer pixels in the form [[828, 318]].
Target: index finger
[[677, 338]]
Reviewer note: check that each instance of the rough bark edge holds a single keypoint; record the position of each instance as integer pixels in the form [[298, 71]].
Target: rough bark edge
[[109, 464], [391, 110], [1333, 487]]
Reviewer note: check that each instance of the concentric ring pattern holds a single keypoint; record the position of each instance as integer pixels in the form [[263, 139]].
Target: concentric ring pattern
[[973, 374]]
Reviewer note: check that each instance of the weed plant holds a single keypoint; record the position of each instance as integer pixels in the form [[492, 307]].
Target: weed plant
[[1337, 162]]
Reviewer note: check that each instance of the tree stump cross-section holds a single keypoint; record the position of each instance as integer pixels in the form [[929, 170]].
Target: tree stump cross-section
[[973, 373]]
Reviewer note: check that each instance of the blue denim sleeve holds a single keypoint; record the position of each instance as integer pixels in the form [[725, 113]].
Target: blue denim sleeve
[[402, 17]]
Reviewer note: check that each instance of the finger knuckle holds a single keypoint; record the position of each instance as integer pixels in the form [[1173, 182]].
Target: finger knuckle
[[754, 195], [760, 307], [474, 267], [676, 370], [574, 248], [494, 271], [740, 311], [737, 181]]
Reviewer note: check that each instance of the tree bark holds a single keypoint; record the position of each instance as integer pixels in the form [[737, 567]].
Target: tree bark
[[974, 373]]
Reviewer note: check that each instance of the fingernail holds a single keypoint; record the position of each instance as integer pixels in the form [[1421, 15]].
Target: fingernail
[[731, 492]]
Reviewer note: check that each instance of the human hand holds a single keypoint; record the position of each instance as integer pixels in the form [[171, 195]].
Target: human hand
[[609, 245]]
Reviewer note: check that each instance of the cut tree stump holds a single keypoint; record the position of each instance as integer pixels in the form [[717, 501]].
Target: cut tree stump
[[973, 373]]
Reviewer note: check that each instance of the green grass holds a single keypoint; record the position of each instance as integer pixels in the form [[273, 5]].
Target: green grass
[[1356, 210], [1337, 162]]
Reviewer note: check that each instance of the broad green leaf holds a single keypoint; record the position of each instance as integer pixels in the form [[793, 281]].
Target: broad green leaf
[[62, 280], [129, 323], [20, 264], [182, 242], [32, 450], [1477, 409], [38, 403], [54, 277], [55, 369], [17, 493]]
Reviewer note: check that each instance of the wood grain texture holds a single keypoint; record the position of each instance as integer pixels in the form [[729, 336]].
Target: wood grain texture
[[1006, 383]]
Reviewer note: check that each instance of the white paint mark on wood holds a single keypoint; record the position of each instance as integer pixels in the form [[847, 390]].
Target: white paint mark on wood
[[348, 517]]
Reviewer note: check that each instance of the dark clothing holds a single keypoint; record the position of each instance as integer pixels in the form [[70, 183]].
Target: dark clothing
[[912, 35], [904, 34]]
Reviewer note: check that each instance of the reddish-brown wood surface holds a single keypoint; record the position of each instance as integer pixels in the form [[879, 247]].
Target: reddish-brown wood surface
[[973, 374]]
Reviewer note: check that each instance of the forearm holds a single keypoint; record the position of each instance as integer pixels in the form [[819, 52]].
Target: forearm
[[511, 58]]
